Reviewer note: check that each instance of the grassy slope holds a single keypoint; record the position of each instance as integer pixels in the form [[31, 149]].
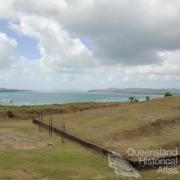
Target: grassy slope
[[68, 161], [27, 112], [71, 161], [150, 124]]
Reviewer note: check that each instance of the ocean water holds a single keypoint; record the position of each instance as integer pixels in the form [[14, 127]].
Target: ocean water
[[60, 97]]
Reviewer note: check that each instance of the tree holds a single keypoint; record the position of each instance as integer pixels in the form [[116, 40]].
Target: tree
[[147, 98], [167, 94], [136, 100], [131, 99]]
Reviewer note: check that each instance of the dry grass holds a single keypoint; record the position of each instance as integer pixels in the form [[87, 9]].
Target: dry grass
[[25, 153], [150, 124], [28, 112]]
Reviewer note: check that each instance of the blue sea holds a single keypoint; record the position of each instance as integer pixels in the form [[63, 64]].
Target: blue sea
[[61, 97]]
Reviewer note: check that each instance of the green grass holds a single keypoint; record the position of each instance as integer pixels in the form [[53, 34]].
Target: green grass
[[66, 162], [62, 161]]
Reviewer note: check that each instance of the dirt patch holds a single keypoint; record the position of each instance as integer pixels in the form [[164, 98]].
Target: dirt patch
[[19, 174], [153, 128], [21, 141]]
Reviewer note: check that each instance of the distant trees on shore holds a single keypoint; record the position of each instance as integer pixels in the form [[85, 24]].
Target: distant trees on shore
[[167, 94], [133, 99], [147, 98]]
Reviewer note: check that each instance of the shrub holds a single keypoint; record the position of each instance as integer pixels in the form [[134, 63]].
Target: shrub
[[147, 98], [136, 100], [167, 94], [131, 99], [10, 114]]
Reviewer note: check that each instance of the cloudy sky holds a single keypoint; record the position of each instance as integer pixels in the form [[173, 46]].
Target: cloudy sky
[[87, 44]]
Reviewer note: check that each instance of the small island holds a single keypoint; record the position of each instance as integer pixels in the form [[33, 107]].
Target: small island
[[11, 90]]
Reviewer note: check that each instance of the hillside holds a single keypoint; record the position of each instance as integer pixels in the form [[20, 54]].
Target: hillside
[[151, 124], [26, 153]]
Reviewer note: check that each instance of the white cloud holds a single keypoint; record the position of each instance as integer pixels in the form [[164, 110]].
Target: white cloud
[[123, 32], [136, 43], [7, 50], [7, 9], [59, 51], [169, 65]]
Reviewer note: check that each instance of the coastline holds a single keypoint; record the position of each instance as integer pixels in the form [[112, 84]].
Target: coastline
[[48, 98]]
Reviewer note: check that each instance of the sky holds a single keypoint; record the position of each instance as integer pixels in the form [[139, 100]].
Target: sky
[[77, 44]]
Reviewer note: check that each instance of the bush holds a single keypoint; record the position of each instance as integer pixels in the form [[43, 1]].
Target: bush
[[136, 100], [10, 114], [131, 99], [147, 98], [167, 94]]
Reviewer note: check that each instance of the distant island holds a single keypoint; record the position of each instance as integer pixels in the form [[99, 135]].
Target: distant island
[[137, 91], [11, 90]]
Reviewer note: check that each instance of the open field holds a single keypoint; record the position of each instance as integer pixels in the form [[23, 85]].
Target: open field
[[150, 124], [25, 153], [28, 112]]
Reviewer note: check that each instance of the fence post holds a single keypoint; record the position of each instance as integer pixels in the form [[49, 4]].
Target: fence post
[[49, 127], [63, 130], [40, 123]]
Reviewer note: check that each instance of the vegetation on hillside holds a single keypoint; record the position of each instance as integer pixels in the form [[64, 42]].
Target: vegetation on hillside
[[149, 124], [28, 112], [25, 153]]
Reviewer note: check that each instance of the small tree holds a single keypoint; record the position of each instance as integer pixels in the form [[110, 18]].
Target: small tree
[[147, 98], [131, 99], [136, 100], [167, 94]]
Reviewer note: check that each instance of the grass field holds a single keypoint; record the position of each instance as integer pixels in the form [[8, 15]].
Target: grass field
[[150, 124], [27, 112], [25, 153]]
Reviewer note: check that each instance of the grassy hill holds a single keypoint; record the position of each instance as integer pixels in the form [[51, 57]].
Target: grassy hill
[[25, 153], [150, 124]]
